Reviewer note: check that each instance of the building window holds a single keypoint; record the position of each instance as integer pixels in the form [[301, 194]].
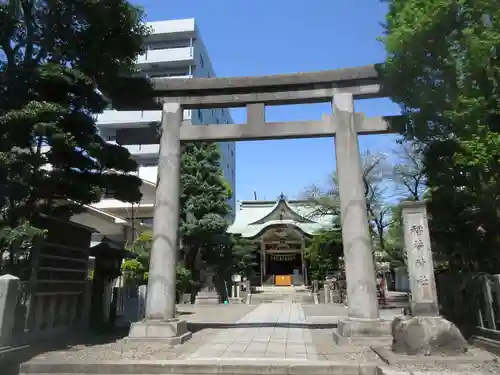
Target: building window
[[201, 60], [232, 153], [200, 115]]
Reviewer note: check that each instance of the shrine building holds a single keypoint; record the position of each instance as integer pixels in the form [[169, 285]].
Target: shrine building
[[282, 230]]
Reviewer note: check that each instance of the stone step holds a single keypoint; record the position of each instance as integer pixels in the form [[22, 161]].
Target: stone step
[[245, 366]]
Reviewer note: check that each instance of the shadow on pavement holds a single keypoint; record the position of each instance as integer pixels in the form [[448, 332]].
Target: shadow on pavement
[[195, 327]]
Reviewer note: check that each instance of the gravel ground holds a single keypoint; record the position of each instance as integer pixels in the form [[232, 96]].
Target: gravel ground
[[493, 368], [329, 351], [207, 321], [204, 322], [359, 354], [362, 354]]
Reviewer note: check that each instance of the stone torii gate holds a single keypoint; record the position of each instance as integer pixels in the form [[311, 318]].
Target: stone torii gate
[[341, 88]]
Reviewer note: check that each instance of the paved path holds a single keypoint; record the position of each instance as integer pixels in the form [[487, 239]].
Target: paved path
[[272, 330]]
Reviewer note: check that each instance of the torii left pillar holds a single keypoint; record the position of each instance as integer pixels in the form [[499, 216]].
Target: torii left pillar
[[160, 322]]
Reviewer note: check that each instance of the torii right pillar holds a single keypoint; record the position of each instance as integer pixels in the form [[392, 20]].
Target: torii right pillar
[[363, 319]]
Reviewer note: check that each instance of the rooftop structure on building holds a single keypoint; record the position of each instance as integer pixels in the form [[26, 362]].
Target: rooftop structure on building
[[175, 50]]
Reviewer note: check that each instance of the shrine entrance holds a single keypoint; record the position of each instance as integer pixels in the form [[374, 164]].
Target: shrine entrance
[[282, 256], [285, 268]]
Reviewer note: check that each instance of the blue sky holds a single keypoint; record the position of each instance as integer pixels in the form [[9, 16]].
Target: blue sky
[[259, 37]]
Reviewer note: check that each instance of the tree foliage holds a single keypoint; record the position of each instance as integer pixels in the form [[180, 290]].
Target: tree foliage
[[135, 271], [54, 55], [244, 254], [324, 252], [204, 208], [443, 69]]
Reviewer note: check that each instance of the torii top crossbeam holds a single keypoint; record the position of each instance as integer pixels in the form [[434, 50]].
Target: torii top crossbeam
[[363, 82], [255, 93]]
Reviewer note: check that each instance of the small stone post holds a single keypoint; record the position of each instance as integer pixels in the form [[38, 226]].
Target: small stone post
[[326, 289], [436, 335], [9, 292], [363, 312], [233, 291], [160, 321]]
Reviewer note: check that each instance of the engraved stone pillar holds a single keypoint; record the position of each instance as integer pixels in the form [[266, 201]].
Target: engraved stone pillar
[[160, 322], [420, 263], [363, 312], [436, 335]]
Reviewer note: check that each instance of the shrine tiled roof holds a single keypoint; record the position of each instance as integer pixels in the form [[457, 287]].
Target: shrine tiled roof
[[253, 217]]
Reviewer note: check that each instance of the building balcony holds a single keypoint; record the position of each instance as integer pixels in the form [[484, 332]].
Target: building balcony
[[131, 119], [165, 58], [172, 29]]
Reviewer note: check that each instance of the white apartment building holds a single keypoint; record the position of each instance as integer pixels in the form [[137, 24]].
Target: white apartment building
[[175, 50]]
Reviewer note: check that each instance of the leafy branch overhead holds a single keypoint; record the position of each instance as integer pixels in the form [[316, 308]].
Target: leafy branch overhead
[[56, 58], [443, 69]]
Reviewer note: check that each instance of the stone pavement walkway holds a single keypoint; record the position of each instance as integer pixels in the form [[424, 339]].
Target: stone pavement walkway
[[272, 330]]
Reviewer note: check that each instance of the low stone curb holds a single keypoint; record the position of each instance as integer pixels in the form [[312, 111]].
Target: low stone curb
[[198, 367]]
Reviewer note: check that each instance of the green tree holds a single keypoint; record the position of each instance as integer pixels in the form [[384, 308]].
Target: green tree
[[323, 253], [135, 271], [54, 55], [443, 69], [244, 256], [204, 210]]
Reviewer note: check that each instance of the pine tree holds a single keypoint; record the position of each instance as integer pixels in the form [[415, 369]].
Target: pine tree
[[204, 208], [54, 54]]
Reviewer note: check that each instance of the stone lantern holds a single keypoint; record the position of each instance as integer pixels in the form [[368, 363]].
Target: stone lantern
[[108, 260]]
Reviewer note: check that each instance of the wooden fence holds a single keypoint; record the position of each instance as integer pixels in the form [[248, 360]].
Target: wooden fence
[[54, 298], [472, 302]]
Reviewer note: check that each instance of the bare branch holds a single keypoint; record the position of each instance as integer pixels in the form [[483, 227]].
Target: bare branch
[[408, 172]]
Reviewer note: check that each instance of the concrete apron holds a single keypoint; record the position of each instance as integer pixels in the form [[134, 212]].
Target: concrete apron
[[200, 367]]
